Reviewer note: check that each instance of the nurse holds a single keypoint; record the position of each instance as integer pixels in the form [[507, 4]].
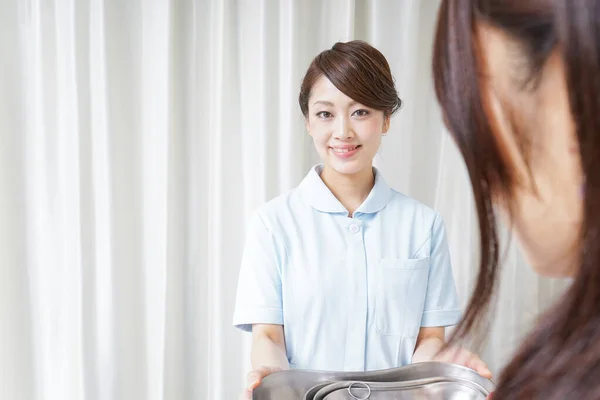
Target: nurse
[[344, 273]]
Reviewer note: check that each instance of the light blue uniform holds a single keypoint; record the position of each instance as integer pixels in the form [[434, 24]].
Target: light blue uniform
[[351, 293]]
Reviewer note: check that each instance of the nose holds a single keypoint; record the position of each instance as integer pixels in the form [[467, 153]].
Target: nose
[[343, 129]]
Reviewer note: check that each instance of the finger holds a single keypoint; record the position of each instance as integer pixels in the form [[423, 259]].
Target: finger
[[460, 356], [263, 371], [486, 373], [253, 380], [481, 367], [442, 356], [448, 355], [271, 370], [463, 357], [255, 377]]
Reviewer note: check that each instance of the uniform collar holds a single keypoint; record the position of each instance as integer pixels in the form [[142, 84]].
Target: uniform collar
[[318, 195]]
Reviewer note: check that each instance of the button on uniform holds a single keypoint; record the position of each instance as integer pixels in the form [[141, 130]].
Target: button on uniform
[[356, 298]]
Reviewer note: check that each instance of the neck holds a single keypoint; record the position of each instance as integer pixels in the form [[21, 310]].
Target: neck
[[351, 190]]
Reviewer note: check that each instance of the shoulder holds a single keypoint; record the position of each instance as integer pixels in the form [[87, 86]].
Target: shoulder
[[412, 208], [279, 209]]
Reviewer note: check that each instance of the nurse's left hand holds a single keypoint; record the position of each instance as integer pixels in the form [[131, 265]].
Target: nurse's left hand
[[461, 356]]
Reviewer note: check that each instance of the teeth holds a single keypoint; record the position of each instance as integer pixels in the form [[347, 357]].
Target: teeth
[[343, 150]]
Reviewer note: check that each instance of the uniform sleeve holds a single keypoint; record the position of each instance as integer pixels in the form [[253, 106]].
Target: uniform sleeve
[[258, 299], [441, 303]]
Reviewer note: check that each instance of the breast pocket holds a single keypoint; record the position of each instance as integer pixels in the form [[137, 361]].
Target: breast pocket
[[401, 293]]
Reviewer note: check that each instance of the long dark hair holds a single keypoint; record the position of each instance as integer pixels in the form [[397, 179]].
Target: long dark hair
[[560, 359]]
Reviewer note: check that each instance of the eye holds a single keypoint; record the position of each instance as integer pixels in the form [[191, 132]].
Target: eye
[[324, 114], [360, 113]]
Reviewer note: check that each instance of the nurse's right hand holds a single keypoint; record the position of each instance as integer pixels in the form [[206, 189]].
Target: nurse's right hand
[[254, 379]]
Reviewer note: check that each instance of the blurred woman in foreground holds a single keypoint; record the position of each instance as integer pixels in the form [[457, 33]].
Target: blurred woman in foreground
[[519, 85]]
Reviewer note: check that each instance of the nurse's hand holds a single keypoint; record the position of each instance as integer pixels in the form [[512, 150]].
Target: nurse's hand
[[254, 379], [430, 343], [461, 356]]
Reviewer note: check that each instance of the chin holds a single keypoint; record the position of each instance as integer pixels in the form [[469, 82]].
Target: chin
[[349, 168], [554, 267]]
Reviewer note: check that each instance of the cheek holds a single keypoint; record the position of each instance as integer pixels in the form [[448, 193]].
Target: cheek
[[370, 132], [321, 142], [548, 236], [550, 222], [318, 134]]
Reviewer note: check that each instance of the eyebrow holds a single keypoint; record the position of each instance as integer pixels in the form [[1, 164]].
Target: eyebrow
[[330, 104], [323, 102]]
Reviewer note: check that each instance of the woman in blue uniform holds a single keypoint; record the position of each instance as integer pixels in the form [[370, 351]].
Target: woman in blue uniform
[[344, 273]]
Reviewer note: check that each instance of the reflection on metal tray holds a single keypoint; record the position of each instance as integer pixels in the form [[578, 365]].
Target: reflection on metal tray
[[429, 380]]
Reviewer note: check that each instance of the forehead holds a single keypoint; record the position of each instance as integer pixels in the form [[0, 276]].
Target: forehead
[[324, 90]]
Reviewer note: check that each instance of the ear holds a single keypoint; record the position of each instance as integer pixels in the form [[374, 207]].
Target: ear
[[307, 125], [386, 124]]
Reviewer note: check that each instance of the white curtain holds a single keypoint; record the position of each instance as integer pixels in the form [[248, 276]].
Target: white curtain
[[136, 136]]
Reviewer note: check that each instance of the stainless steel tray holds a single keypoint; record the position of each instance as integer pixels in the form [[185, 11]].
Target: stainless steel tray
[[429, 380]]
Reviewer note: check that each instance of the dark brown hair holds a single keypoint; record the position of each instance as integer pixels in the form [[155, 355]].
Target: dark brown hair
[[359, 71], [561, 357]]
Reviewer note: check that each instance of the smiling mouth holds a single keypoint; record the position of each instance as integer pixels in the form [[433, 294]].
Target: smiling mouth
[[345, 149]]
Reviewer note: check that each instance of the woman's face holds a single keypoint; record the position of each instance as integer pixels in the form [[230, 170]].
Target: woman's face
[[346, 134], [536, 133]]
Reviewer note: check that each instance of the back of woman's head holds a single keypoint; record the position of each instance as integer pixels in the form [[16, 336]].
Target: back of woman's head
[[561, 358], [359, 71]]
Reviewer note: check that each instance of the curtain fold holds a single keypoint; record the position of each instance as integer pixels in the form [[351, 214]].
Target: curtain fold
[[135, 139]]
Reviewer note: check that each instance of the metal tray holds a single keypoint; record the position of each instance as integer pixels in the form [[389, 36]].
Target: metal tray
[[428, 380]]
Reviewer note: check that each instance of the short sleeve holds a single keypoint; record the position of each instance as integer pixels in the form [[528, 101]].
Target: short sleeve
[[258, 298], [441, 303]]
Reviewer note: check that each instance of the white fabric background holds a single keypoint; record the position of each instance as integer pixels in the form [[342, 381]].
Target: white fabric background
[[136, 136]]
